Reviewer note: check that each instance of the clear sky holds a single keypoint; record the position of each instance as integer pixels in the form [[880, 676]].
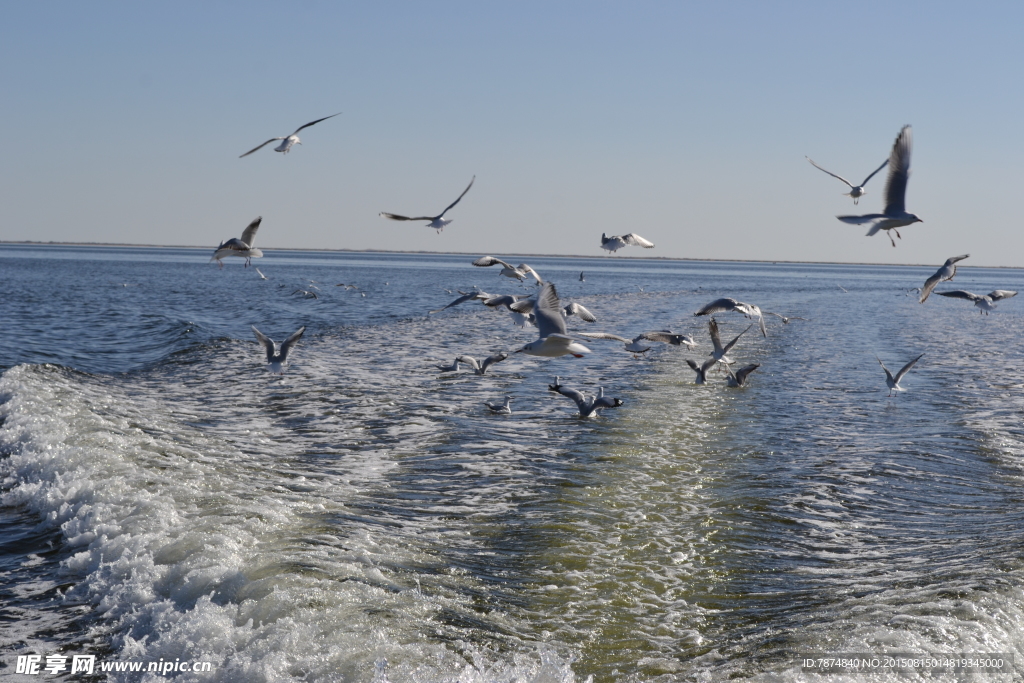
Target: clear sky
[[684, 122]]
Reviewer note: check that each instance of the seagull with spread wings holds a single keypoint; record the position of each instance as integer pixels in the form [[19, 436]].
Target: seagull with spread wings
[[726, 304], [856, 191], [616, 242], [289, 140], [946, 272], [739, 378], [480, 367], [240, 247], [894, 382], [519, 272], [895, 215], [554, 340], [437, 222], [587, 406], [719, 351], [277, 356], [985, 303]]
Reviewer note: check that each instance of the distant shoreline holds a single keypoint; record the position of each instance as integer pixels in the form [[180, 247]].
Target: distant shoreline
[[515, 254]]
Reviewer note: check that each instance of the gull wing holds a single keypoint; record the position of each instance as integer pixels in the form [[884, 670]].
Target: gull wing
[[485, 261], [249, 234], [860, 220], [461, 299], [523, 305], [736, 339], [396, 217], [576, 396], [605, 335], [491, 360], [741, 374], [313, 123], [267, 342], [905, 369], [997, 294], [291, 341], [955, 259], [666, 337], [888, 375], [457, 200], [261, 146], [548, 312], [637, 241], [960, 294], [872, 173], [581, 311], [718, 306], [833, 174], [930, 283], [503, 300], [469, 360], [899, 173], [527, 270], [716, 340]]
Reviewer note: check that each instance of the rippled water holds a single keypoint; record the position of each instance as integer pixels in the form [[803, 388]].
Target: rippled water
[[363, 518]]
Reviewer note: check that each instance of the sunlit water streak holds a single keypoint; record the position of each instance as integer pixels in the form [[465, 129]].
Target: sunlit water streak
[[364, 518]]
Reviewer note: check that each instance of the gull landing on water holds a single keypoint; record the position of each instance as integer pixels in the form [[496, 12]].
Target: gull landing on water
[[894, 382], [946, 272], [480, 368], [895, 215], [856, 191], [240, 247], [739, 378], [554, 339], [276, 358], [616, 242], [437, 222], [587, 406], [719, 351], [985, 303], [289, 140]]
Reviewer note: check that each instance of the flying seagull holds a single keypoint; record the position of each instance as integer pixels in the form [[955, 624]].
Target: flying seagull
[[616, 242], [856, 191], [719, 352], [946, 272], [526, 306], [985, 303], [587, 406], [785, 319], [725, 304], [437, 222], [895, 215], [894, 382], [483, 296], [289, 140], [739, 378], [240, 247], [276, 358], [480, 368], [500, 408], [636, 345], [554, 339], [519, 272]]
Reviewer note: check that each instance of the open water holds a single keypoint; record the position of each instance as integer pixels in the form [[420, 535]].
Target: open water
[[363, 518]]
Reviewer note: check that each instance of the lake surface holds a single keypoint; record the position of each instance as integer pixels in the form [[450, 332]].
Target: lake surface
[[364, 517]]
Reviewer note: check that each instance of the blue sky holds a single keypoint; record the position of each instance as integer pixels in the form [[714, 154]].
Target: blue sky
[[684, 122]]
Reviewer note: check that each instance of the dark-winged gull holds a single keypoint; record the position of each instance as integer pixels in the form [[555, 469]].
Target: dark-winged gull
[[480, 367], [553, 338], [895, 214], [946, 272], [701, 370], [466, 296], [739, 378], [856, 191], [587, 406], [437, 222], [725, 305], [985, 302], [616, 242], [277, 357], [894, 382], [289, 140], [240, 247]]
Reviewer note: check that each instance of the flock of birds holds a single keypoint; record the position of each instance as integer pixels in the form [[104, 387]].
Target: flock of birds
[[544, 310]]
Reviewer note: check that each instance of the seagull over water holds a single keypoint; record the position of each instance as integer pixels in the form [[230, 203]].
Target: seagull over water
[[719, 352], [725, 305], [894, 382], [616, 242], [739, 378], [856, 191], [519, 272], [554, 339], [240, 247], [701, 370], [289, 140], [587, 406], [437, 222], [277, 357], [500, 408], [946, 272], [985, 303], [895, 215], [480, 368]]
